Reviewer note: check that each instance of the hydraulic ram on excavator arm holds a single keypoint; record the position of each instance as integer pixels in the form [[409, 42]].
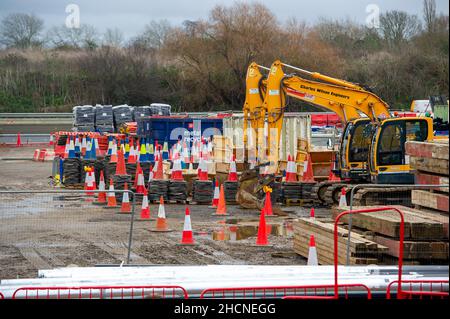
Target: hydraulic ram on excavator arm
[[349, 101]]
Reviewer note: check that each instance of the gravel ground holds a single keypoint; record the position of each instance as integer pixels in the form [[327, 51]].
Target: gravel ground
[[41, 231]]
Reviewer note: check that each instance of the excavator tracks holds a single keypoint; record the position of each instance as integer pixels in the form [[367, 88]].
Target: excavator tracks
[[319, 191]]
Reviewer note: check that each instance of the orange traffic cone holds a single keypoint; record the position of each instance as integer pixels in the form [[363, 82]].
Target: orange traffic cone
[[202, 170], [343, 198], [112, 203], [132, 156], [232, 175], [19, 140], [291, 171], [308, 175], [268, 205], [101, 199], [126, 207], [138, 169], [159, 174], [145, 209], [215, 200], [120, 167], [312, 253], [113, 158], [221, 206], [262, 240], [140, 187], [312, 213], [332, 177], [177, 171], [187, 238], [161, 223]]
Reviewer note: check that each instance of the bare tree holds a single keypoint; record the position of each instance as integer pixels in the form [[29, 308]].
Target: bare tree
[[21, 30], [397, 26], [429, 15], [154, 35], [85, 36], [113, 37]]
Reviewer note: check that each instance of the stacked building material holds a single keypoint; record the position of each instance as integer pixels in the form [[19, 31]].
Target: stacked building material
[[430, 162], [275, 196], [425, 234], [177, 191], [160, 109], [230, 189], [158, 188], [141, 111], [72, 171], [291, 191], [362, 250], [122, 114], [131, 169], [202, 192], [119, 184], [104, 120], [110, 169], [145, 169], [84, 118]]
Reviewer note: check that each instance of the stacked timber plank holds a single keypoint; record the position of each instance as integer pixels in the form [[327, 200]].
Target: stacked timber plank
[[425, 233], [362, 250], [430, 162]]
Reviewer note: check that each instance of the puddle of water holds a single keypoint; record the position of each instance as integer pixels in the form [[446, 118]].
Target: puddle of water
[[244, 231]]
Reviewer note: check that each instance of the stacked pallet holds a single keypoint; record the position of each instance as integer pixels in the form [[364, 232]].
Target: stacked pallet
[[430, 162], [362, 250], [425, 234]]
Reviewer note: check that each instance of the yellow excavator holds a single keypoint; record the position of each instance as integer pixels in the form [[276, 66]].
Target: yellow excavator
[[372, 143]]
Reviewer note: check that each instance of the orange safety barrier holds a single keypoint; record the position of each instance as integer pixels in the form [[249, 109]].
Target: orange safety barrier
[[42, 154], [286, 292], [102, 292], [423, 288]]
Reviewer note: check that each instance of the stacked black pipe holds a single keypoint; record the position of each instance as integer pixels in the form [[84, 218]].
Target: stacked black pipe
[[202, 192], [230, 189]]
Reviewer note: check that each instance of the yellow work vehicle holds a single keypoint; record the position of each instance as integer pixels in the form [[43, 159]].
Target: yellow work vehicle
[[372, 144]]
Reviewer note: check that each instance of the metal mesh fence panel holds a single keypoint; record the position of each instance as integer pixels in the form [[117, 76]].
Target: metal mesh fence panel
[[48, 229], [102, 292]]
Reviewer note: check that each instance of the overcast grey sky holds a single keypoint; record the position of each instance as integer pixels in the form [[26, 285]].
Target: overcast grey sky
[[131, 16]]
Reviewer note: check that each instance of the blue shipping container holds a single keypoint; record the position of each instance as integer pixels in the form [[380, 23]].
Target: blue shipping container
[[172, 129]]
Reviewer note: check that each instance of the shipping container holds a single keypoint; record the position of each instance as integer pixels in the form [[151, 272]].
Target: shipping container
[[295, 126], [173, 128]]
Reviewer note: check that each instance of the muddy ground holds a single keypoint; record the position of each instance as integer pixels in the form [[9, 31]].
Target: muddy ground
[[41, 231]]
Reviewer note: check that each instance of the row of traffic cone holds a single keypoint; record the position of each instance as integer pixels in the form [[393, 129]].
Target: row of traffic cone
[[161, 223]]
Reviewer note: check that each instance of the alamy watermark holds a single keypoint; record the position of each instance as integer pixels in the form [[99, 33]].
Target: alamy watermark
[[73, 17], [373, 17]]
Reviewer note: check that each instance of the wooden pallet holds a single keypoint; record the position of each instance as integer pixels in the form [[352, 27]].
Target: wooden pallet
[[293, 202], [181, 202]]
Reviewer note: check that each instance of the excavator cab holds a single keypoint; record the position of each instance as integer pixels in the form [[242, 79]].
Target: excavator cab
[[354, 150], [388, 161]]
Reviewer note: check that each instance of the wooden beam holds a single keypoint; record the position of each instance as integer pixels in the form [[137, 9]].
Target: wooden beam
[[430, 200], [388, 223], [414, 249], [427, 149], [431, 165], [429, 179]]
